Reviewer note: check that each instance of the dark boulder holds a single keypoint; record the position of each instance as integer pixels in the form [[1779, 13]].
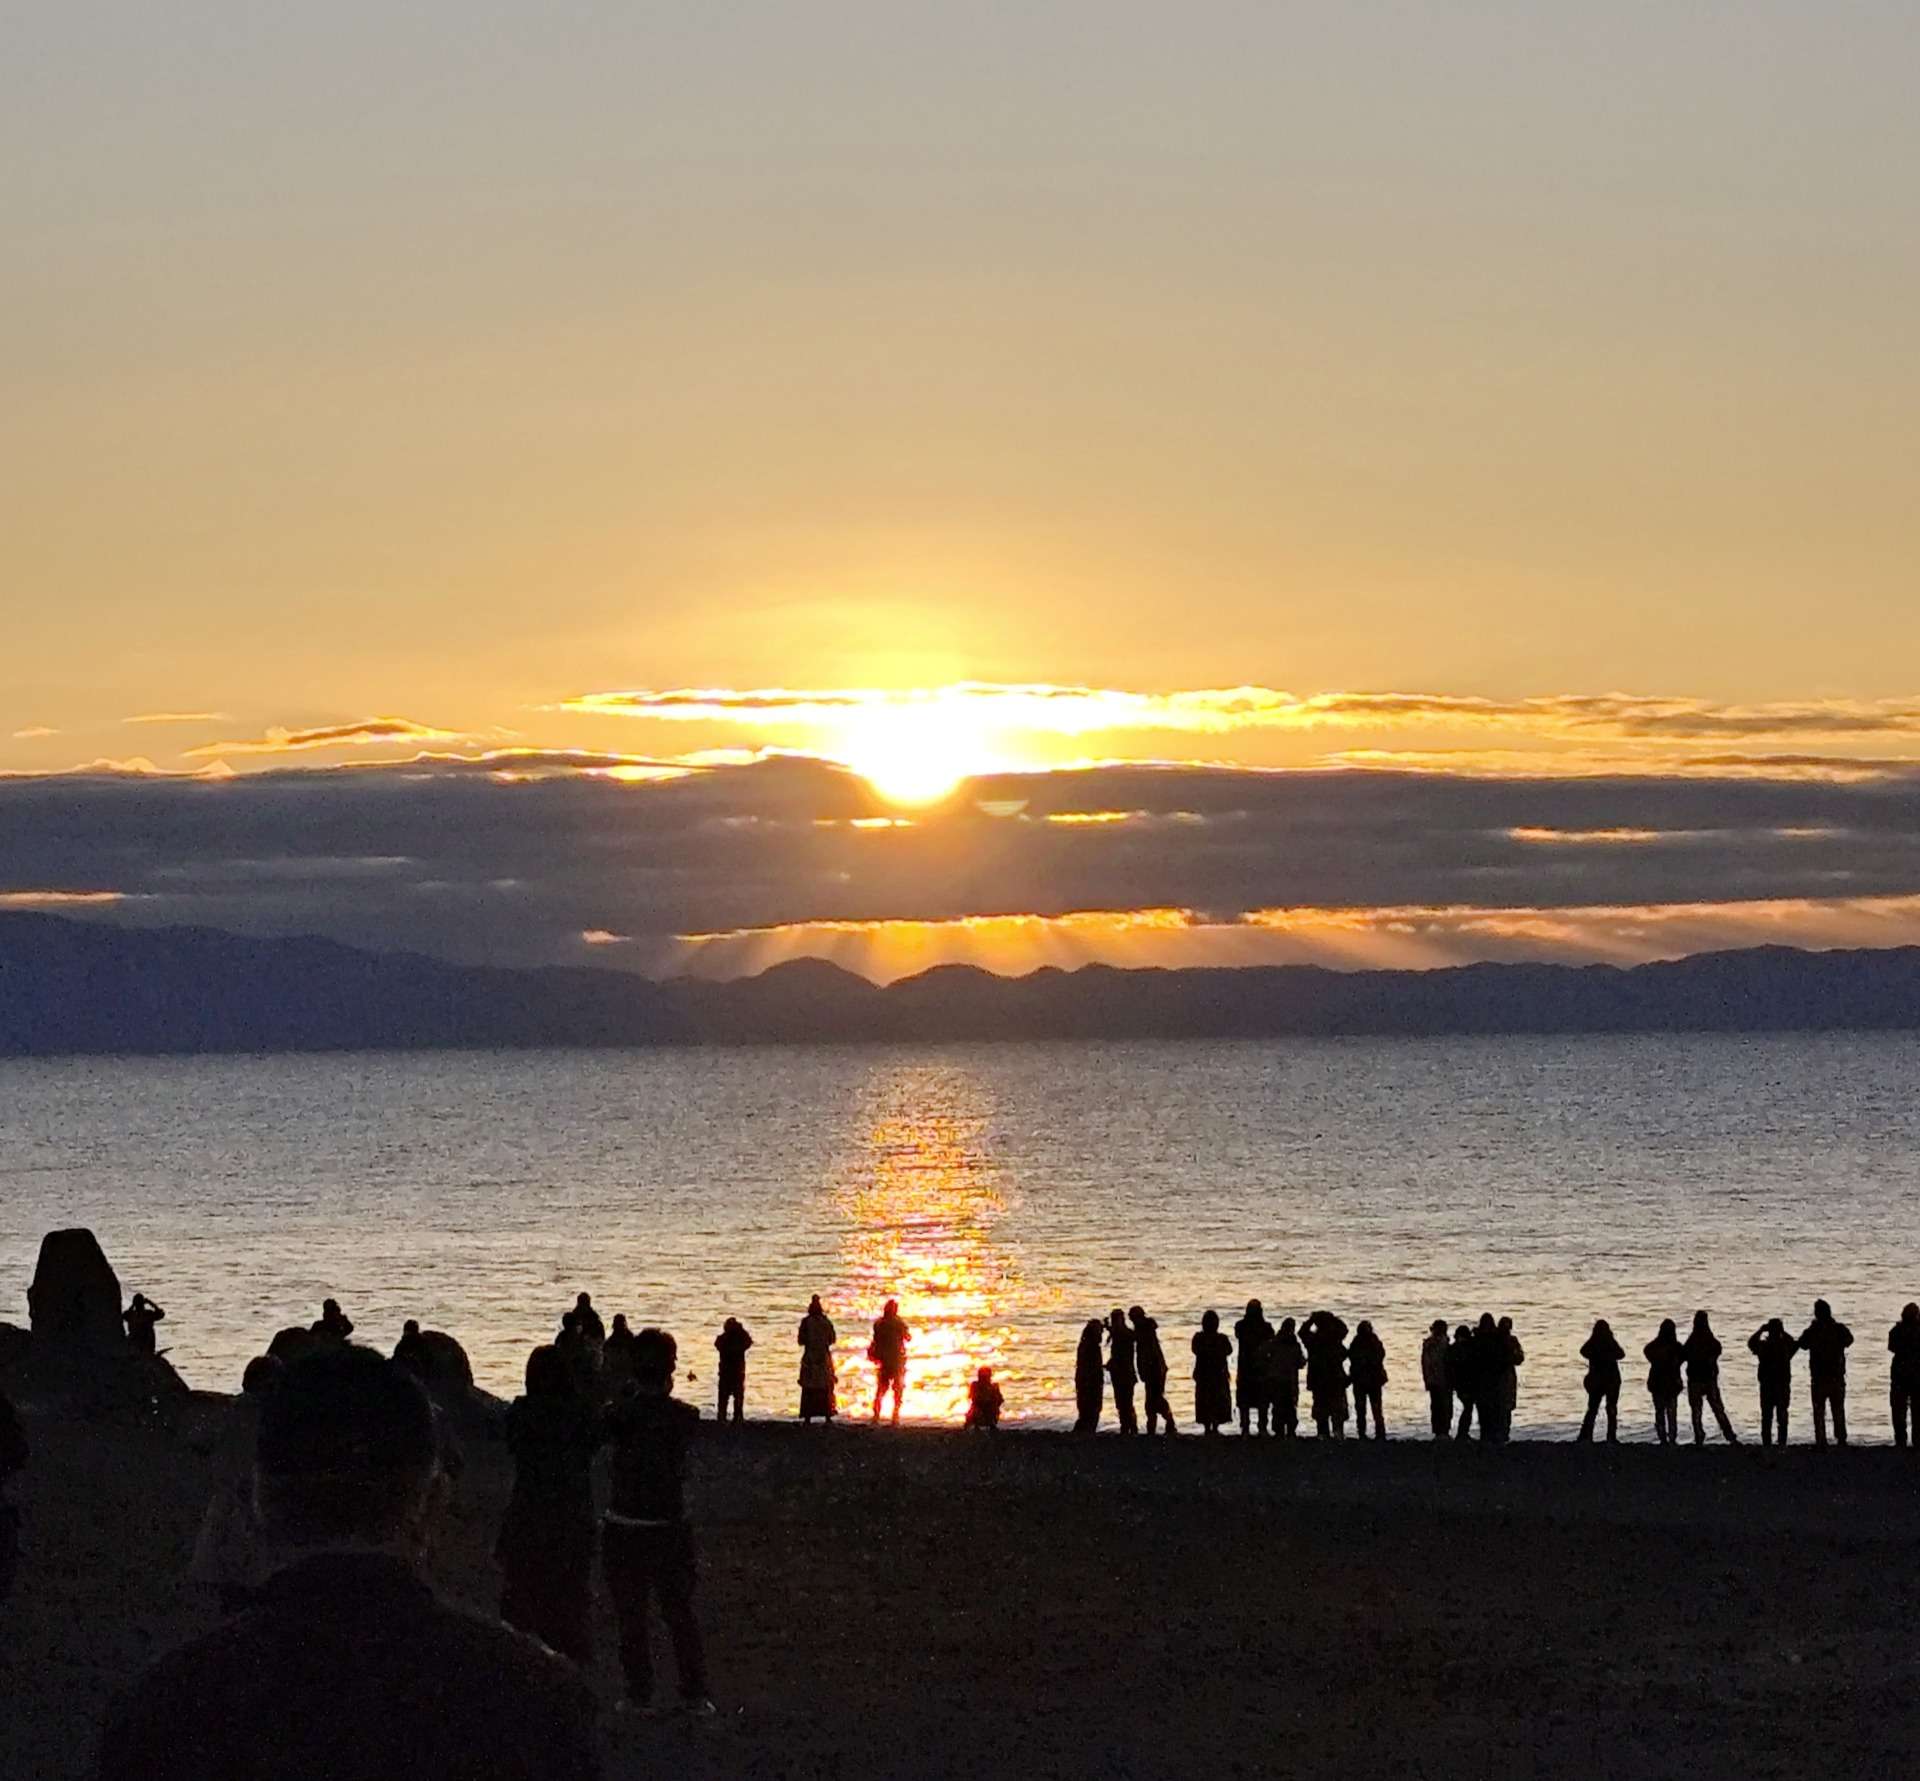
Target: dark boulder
[[75, 1295], [293, 1343]]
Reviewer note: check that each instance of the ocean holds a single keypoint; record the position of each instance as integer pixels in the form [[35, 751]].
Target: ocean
[[1002, 1193]]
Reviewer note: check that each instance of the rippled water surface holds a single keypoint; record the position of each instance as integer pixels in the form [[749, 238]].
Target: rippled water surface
[[1002, 1193]]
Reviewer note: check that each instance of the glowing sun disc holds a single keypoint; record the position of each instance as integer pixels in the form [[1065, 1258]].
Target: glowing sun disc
[[913, 757]]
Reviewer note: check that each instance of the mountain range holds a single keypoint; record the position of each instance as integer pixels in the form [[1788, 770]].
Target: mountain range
[[70, 987]]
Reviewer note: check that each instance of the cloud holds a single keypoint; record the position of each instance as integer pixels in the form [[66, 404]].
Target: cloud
[[178, 717], [1084, 710], [33, 733], [384, 730], [512, 856], [57, 899]]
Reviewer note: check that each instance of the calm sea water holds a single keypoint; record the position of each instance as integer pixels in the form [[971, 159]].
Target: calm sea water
[[1003, 1193]]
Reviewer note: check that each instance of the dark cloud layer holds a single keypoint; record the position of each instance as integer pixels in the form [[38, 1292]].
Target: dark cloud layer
[[514, 857]]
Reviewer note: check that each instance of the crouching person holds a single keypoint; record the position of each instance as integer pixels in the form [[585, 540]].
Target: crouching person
[[984, 1402], [351, 1665], [646, 1542]]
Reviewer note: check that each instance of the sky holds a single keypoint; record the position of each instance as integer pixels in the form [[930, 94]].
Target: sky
[[682, 487]]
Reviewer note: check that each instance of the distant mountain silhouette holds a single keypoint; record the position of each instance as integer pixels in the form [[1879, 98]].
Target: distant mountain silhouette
[[76, 987]]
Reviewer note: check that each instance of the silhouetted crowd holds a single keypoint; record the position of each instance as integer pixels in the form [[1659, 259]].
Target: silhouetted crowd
[[337, 1461]]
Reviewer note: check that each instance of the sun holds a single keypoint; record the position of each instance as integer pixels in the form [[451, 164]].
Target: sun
[[913, 755]]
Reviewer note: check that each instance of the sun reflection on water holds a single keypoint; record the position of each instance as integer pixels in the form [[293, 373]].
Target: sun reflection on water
[[922, 1199]]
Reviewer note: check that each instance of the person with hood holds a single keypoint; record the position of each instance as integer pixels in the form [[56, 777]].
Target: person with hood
[[1251, 1334], [1324, 1337], [1702, 1352], [1367, 1365], [1773, 1349], [817, 1337], [1903, 1343], [1282, 1362], [587, 1321], [1461, 1374], [1121, 1369], [1603, 1356], [1433, 1379], [1212, 1375], [1666, 1355], [1150, 1360], [1089, 1376], [547, 1536], [1826, 1341]]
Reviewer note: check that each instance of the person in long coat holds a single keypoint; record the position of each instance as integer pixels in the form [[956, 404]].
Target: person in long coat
[[1254, 1393], [817, 1337], [1121, 1369], [1665, 1358], [1212, 1375], [1325, 1338], [1284, 1359], [1089, 1376]]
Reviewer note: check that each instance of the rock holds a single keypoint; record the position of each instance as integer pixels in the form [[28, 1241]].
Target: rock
[[449, 1372], [293, 1343], [75, 1295]]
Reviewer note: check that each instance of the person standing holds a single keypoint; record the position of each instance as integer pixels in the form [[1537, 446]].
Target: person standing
[[1492, 1362], [1212, 1375], [1284, 1360], [1251, 1334], [646, 1541], [1433, 1378], [1773, 1351], [545, 1546], [731, 1345], [1089, 1376], [1514, 1356], [1666, 1356], [1462, 1359], [1702, 1352], [888, 1352], [1826, 1341], [587, 1321], [1603, 1356], [817, 1337], [1150, 1359], [140, 1317], [1367, 1366], [1324, 1337], [1903, 1343], [1121, 1370]]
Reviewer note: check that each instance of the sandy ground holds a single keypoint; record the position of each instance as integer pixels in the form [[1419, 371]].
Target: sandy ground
[[886, 1603]]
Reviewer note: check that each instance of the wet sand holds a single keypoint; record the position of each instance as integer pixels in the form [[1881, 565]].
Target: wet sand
[[914, 1602]]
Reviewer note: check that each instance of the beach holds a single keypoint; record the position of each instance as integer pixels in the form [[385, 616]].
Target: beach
[[887, 1602]]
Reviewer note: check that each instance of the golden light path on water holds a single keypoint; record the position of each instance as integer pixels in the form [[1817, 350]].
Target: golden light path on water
[[922, 1201]]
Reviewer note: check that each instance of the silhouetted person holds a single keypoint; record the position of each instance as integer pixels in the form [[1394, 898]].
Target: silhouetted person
[[1603, 1356], [1324, 1337], [352, 1669], [412, 1351], [13, 1460], [616, 1356], [1903, 1343], [1089, 1376], [1492, 1365], [587, 1321], [1826, 1341], [1150, 1360], [1284, 1362], [582, 1357], [817, 1337], [1702, 1351], [545, 1547], [888, 1352], [1666, 1357], [731, 1345], [1367, 1367], [1509, 1376], [1773, 1351], [1212, 1375], [1121, 1348], [1461, 1362], [334, 1325], [1433, 1377], [140, 1317], [647, 1550], [1251, 1334], [228, 1556], [984, 1402]]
